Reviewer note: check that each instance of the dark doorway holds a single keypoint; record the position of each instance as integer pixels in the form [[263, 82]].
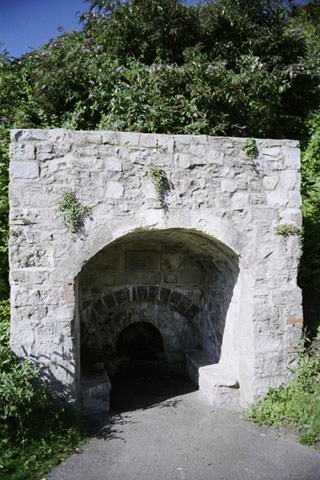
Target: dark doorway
[[144, 379], [140, 341]]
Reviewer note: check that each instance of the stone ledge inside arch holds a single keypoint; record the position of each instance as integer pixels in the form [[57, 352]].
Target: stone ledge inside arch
[[210, 236]]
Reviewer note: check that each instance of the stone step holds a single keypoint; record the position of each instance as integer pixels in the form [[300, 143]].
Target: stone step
[[95, 391], [219, 386], [194, 360]]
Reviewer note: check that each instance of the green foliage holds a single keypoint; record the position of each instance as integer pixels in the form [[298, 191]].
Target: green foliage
[[147, 30], [74, 213], [287, 229], [34, 433], [297, 404], [158, 178], [309, 276], [250, 147], [227, 67]]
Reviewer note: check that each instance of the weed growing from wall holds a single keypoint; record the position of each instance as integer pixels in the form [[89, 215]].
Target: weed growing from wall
[[288, 229], [74, 213], [250, 147], [159, 179]]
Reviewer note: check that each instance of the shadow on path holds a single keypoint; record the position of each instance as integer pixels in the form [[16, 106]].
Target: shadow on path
[[144, 388], [138, 389]]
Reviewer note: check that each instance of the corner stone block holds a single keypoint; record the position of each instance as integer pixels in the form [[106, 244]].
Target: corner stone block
[[292, 157], [29, 135], [24, 170]]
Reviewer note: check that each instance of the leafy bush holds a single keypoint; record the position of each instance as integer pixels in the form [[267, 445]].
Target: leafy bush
[[34, 433], [297, 404], [310, 268]]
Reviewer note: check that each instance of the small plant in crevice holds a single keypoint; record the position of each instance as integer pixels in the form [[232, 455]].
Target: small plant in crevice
[[161, 184], [159, 178], [288, 229], [74, 213], [250, 148]]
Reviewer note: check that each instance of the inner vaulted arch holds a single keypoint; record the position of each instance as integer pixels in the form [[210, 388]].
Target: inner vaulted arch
[[179, 282]]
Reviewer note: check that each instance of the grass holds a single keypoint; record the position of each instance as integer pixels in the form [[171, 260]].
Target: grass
[[295, 405], [33, 458]]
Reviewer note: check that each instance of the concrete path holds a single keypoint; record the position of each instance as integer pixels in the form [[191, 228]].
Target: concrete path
[[182, 438]]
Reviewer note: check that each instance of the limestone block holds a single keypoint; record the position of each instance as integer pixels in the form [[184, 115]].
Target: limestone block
[[283, 198], [109, 138], [28, 135], [220, 388], [112, 164], [114, 190], [57, 135], [88, 137], [273, 151], [151, 217], [182, 160], [129, 138], [30, 276], [270, 362], [257, 198], [240, 201], [228, 186], [291, 157], [147, 140], [289, 180], [270, 182], [269, 342], [24, 170], [292, 216]]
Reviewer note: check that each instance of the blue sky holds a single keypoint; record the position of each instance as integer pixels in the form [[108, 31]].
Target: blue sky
[[28, 24], [31, 23]]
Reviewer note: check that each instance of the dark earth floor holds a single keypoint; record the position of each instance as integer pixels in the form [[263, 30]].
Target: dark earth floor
[[160, 428]]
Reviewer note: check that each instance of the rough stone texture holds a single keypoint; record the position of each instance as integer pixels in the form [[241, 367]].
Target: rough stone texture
[[201, 261], [95, 393]]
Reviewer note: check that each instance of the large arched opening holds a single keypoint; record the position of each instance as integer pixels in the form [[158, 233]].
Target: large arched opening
[[154, 299]]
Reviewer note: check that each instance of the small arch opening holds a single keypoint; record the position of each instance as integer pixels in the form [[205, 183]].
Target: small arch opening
[[140, 341]]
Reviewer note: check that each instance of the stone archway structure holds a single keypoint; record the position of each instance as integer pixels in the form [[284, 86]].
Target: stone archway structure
[[203, 260]]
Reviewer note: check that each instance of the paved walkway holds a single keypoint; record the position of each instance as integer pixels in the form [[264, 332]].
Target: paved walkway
[[182, 438]]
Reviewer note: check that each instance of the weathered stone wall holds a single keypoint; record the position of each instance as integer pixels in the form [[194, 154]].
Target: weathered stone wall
[[220, 212]]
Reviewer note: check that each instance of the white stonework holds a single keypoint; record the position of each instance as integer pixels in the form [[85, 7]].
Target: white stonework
[[201, 260]]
